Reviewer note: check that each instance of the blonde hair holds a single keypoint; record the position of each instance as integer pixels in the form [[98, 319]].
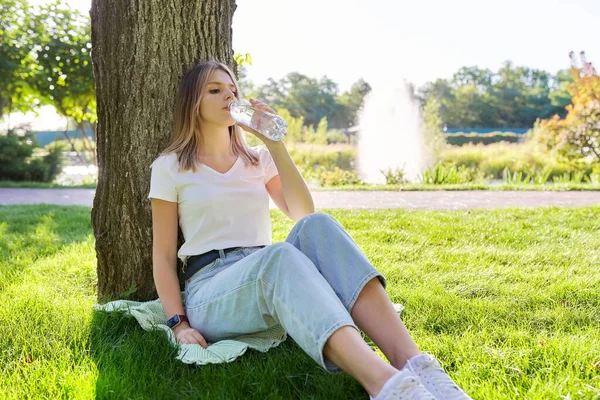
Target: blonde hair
[[186, 137]]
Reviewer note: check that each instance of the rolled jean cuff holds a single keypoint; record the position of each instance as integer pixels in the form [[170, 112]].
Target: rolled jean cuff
[[325, 363], [362, 285]]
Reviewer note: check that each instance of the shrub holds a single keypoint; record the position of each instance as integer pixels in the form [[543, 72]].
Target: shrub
[[336, 177], [451, 174], [336, 136], [394, 176], [493, 159], [577, 136], [307, 156], [460, 139], [18, 164]]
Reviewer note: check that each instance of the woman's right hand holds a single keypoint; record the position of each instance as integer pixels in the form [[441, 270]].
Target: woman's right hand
[[185, 334]]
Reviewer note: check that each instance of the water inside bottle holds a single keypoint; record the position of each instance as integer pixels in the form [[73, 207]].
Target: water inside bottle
[[270, 125], [242, 112]]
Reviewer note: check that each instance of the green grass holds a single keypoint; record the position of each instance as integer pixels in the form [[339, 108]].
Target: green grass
[[43, 185], [508, 300], [369, 187], [413, 187]]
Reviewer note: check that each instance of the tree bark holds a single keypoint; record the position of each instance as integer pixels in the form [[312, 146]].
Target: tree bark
[[140, 50]]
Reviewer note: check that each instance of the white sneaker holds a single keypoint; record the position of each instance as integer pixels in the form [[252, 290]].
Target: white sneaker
[[409, 389], [434, 378], [403, 386]]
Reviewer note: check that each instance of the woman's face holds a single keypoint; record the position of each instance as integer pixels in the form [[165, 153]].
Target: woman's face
[[217, 94]]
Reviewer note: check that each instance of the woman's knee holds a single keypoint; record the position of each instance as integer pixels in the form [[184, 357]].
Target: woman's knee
[[316, 220], [282, 253], [282, 248]]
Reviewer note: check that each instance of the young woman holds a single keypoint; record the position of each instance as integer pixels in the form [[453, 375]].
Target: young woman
[[317, 284]]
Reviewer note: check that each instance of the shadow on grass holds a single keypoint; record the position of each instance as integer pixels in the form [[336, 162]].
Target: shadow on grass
[[136, 364], [31, 232]]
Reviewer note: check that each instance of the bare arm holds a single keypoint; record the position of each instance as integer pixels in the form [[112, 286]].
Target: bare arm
[[164, 255], [289, 191], [164, 267]]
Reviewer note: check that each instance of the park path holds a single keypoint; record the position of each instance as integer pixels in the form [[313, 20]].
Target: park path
[[441, 200]]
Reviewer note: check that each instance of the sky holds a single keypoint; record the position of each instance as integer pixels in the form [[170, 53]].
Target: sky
[[386, 41]]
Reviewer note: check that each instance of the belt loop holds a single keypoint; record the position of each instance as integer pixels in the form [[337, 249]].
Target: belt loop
[[221, 254]]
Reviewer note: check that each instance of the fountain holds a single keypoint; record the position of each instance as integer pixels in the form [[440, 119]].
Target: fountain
[[389, 134]]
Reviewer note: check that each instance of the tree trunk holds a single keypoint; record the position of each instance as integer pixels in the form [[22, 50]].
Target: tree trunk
[[140, 51]]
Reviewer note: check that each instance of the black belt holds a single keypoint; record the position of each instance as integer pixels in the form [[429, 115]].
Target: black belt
[[196, 263]]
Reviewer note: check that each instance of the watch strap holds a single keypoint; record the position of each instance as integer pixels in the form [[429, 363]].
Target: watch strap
[[176, 320]]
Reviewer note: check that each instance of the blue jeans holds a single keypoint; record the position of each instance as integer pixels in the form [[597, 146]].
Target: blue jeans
[[307, 284]]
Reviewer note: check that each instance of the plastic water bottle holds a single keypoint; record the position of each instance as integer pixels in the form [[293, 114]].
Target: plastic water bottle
[[270, 125]]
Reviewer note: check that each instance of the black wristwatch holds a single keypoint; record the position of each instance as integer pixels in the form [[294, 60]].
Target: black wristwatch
[[176, 320]]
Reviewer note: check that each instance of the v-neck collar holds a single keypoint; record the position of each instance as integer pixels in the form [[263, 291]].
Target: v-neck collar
[[224, 173]]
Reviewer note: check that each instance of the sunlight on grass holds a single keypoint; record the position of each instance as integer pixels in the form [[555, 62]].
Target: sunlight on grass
[[508, 301], [46, 319]]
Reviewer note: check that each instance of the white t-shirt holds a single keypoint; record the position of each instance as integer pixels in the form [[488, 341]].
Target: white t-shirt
[[217, 211]]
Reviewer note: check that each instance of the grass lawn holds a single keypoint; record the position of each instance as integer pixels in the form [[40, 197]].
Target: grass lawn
[[368, 187], [508, 300], [413, 187], [42, 185]]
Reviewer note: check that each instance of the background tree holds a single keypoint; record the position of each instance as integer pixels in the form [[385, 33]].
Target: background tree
[[434, 138], [16, 57], [560, 97], [576, 138], [247, 87], [350, 104], [63, 75], [140, 52], [45, 60], [513, 97], [314, 99]]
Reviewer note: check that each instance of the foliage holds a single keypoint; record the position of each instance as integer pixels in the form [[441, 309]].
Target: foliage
[[394, 176], [337, 177], [294, 130], [460, 139], [494, 158], [17, 62], [560, 97], [336, 136], [434, 138], [530, 177], [351, 103], [16, 152], [512, 97], [64, 76], [576, 137], [45, 59], [76, 144], [297, 132], [327, 156], [457, 165], [298, 93], [242, 59], [450, 174], [313, 99], [318, 136], [247, 88], [515, 177], [572, 177]]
